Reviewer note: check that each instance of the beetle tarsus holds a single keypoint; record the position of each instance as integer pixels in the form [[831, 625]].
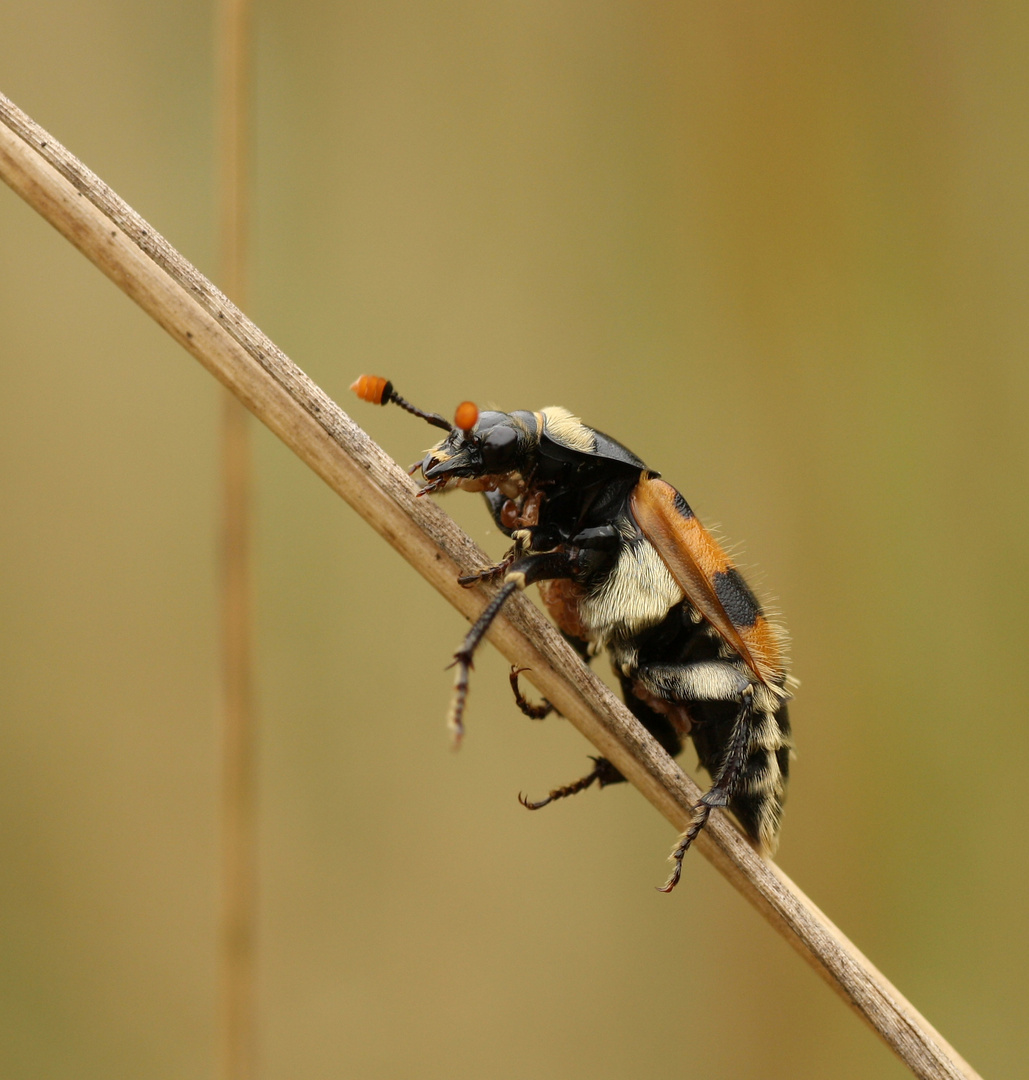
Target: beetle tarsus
[[558, 793], [701, 811], [455, 718], [490, 573], [569, 789], [533, 712]]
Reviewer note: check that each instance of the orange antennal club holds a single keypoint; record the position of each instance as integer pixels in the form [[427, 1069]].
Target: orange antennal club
[[372, 388], [466, 416]]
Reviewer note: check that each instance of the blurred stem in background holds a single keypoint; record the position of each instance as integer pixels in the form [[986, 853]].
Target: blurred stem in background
[[237, 1027]]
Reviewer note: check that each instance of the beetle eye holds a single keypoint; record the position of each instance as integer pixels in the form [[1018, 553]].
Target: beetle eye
[[499, 447]]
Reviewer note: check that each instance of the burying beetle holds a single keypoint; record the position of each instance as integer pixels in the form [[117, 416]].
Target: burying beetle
[[623, 564]]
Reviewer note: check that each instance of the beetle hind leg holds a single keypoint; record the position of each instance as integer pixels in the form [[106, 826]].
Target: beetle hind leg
[[729, 772], [721, 791], [701, 812]]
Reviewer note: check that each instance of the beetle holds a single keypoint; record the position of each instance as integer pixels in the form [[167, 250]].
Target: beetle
[[623, 564]]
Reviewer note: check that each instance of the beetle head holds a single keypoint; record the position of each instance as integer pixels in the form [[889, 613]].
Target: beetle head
[[482, 451], [496, 445]]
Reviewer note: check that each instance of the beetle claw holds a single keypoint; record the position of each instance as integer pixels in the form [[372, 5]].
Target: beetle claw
[[529, 805]]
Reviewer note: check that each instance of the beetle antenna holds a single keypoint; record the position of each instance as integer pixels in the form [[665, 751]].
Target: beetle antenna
[[379, 391]]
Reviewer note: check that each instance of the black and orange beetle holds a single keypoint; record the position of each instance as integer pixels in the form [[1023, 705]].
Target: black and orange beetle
[[623, 564]]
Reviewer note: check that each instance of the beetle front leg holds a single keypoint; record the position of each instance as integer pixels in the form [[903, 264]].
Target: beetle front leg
[[527, 541], [490, 573], [463, 659]]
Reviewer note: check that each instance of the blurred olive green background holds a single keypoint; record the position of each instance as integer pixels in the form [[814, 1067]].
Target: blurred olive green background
[[780, 250]]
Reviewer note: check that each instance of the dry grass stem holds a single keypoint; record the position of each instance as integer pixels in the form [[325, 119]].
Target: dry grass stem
[[237, 1021], [197, 315]]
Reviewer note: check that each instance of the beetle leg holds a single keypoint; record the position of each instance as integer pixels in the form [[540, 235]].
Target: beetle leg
[[541, 712], [603, 771], [721, 790], [489, 573], [463, 658], [559, 793], [659, 726], [533, 712], [522, 572]]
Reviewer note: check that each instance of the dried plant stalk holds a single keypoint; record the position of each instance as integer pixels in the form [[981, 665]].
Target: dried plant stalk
[[237, 1019], [198, 316]]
